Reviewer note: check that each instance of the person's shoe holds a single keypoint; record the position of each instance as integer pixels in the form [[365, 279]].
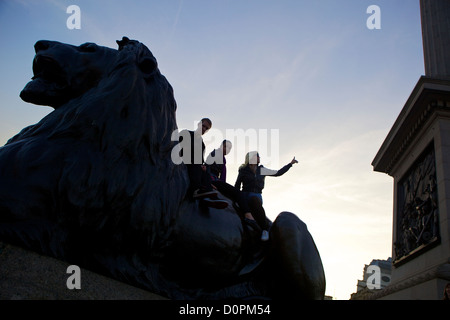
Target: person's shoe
[[201, 193], [217, 204], [265, 235]]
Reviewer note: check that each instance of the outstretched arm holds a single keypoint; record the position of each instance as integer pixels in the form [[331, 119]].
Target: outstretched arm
[[277, 173]]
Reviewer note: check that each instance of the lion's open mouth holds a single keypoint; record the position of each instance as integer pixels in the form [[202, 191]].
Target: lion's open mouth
[[49, 85], [48, 69]]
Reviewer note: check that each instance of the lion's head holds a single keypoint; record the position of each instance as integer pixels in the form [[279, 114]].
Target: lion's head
[[62, 72]]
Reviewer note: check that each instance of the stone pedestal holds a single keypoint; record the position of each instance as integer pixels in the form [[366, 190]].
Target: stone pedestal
[[416, 153], [26, 275]]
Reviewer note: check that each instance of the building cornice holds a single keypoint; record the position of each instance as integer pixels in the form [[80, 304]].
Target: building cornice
[[428, 97]]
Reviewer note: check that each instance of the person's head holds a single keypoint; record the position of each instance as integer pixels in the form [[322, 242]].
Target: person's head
[[252, 157], [226, 147], [204, 125]]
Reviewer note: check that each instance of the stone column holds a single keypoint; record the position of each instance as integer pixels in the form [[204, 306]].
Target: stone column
[[436, 37]]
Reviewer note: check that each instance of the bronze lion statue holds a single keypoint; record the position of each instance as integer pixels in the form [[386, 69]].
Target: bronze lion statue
[[93, 184]]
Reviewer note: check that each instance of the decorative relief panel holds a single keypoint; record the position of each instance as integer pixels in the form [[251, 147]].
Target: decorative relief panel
[[417, 208]]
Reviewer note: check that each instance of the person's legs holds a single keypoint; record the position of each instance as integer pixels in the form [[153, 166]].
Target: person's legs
[[200, 187], [195, 176], [205, 180], [249, 203], [227, 190], [200, 182], [258, 211]]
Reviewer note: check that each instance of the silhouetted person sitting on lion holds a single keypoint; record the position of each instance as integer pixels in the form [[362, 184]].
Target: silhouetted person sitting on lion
[[252, 176], [216, 163], [192, 153]]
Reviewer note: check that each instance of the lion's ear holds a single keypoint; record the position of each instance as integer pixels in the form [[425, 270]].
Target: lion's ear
[[122, 43], [148, 65], [145, 59]]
